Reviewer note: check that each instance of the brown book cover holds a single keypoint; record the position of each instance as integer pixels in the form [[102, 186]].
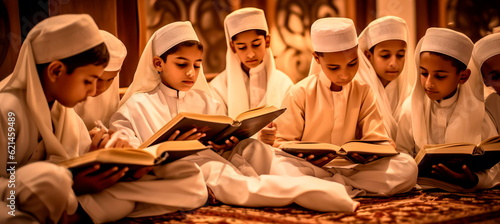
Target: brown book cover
[[217, 128], [364, 148]]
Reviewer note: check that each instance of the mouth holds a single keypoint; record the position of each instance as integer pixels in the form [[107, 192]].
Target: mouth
[[430, 91], [252, 61], [188, 82]]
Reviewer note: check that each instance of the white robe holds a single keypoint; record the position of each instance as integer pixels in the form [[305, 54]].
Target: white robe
[[439, 132], [315, 113], [235, 181]]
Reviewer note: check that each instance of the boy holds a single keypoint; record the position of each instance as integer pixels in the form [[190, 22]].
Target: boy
[[486, 58], [59, 64], [169, 80], [384, 66], [446, 105], [331, 107], [251, 78], [104, 102]]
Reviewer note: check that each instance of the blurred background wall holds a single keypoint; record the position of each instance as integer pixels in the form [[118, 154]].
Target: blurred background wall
[[134, 21]]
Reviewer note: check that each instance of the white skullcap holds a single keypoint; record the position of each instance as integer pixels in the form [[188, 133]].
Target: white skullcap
[[117, 51], [448, 42], [486, 48], [333, 34], [171, 35], [386, 28], [245, 19], [63, 36]]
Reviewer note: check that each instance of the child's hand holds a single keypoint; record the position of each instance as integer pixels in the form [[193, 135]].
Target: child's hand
[[362, 159], [99, 139], [268, 134], [188, 135], [139, 173], [228, 145], [93, 180], [467, 179], [320, 161]]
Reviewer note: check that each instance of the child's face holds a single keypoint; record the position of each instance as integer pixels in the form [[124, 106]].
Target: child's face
[[70, 89], [105, 81], [181, 68], [250, 48], [439, 77], [339, 67], [491, 72], [388, 59]]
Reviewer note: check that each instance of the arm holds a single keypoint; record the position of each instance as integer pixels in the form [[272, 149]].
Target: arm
[[292, 118]]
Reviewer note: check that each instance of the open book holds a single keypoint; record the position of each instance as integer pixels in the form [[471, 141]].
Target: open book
[[133, 158], [366, 148], [426, 183], [217, 128], [454, 155]]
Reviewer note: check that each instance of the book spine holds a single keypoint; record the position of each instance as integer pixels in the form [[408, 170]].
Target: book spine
[[226, 133]]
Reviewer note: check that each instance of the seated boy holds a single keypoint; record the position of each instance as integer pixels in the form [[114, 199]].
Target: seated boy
[[384, 65], [104, 102], [446, 105], [251, 78], [59, 64], [330, 107]]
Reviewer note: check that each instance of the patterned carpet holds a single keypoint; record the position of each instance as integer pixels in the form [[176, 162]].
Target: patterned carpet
[[412, 207]]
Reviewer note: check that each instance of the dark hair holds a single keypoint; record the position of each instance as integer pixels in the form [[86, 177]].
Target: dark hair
[[320, 54], [460, 66], [372, 49], [97, 55], [259, 32], [187, 43]]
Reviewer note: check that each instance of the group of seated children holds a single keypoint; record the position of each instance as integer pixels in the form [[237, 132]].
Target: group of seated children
[[358, 88]]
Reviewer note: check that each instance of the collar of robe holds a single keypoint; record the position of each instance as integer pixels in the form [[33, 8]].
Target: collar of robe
[[447, 102], [325, 82], [172, 92]]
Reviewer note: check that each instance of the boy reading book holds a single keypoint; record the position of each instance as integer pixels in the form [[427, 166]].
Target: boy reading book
[[169, 80], [59, 64], [383, 46], [104, 102], [250, 79], [446, 105], [330, 107]]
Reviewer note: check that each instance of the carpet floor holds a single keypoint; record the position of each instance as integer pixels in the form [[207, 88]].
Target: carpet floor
[[411, 207]]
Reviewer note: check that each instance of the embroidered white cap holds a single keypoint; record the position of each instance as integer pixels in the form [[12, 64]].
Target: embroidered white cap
[[246, 19], [171, 35], [448, 42], [486, 48], [333, 34], [117, 51]]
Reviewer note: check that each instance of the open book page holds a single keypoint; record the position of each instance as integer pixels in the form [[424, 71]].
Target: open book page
[[378, 147], [112, 155], [315, 148], [173, 150], [426, 183]]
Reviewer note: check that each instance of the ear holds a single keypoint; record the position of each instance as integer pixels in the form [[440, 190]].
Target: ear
[[316, 57], [268, 41], [54, 70], [368, 55], [157, 62], [231, 44], [464, 76]]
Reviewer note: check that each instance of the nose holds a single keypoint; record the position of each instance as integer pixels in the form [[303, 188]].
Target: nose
[[344, 75], [429, 83], [392, 62], [190, 73], [250, 54], [93, 89]]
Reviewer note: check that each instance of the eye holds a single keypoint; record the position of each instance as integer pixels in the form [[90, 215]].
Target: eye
[[196, 66], [424, 74], [242, 48], [439, 77], [87, 82], [181, 65], [386, 56], [256, 45], [352, 64], [333, 68], [495, 76], [400, 55]]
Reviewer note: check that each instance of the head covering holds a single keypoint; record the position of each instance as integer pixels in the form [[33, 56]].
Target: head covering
[[332, 34], [380, 30], [102, 107], [53, 39], [467, 118], [236, 22], [484, 49], [146, 78]]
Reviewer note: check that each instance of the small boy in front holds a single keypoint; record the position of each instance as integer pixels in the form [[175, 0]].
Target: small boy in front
[[331, 107], [446, 105]]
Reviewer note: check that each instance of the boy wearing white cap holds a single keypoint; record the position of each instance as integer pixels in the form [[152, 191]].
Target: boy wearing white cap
[[446, 105], [58, 65], [330, 106], [251, 78], [486, 58], [385, 67], [104, 102], [165, 85]]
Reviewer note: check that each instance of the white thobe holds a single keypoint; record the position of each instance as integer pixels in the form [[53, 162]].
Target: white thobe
[[315, 113], [233, 181], [438, 132]]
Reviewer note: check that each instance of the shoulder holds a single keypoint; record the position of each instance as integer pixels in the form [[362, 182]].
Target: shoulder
[[13, 100], [220, 79], [284, 78], [201, 95]]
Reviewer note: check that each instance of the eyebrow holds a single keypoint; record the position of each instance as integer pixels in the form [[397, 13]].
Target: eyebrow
[[240, 43], [94, 76]]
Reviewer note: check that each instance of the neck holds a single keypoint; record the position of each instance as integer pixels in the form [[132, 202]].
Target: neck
[[335, 88], [245, 69]]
